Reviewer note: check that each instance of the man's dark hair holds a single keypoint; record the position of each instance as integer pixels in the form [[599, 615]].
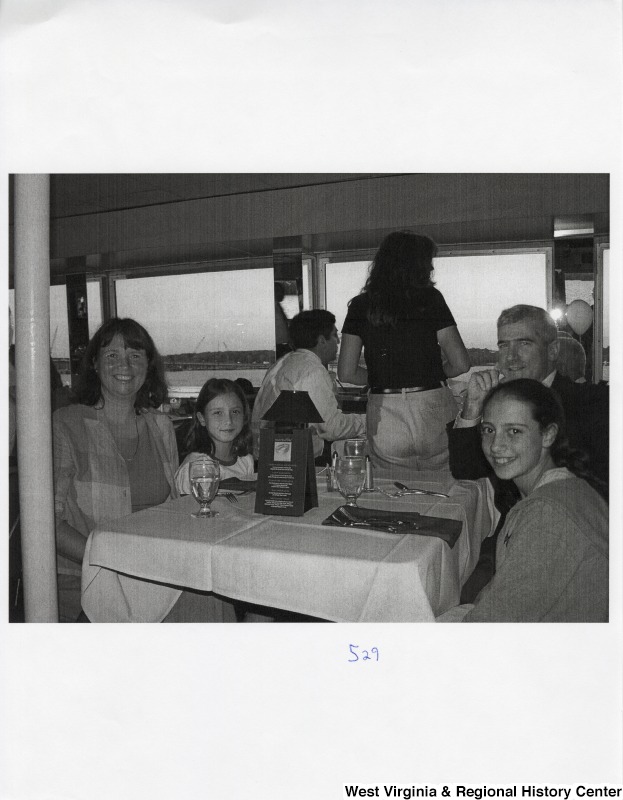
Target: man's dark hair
[[308, 326]]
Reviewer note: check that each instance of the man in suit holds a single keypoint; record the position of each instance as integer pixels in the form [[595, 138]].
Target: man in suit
[[528, 348]]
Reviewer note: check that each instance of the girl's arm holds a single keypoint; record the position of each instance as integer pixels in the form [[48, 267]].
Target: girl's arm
[[348, 369], [455, 356]]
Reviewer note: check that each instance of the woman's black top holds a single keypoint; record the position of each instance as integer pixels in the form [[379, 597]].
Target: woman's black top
[[408, 353]]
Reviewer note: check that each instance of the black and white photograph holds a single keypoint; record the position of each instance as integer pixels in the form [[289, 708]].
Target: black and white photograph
[[406, 337], [252, 383]]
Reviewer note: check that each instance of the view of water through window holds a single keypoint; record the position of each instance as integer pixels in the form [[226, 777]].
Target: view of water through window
[[206, 324], [211, 324], [475, 287]]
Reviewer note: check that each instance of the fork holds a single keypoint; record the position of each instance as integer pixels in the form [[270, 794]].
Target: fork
[[386, 493], [233, 499]]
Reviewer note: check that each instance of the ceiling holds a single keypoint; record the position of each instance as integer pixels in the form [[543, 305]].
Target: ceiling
[[76, 195], [450, 208]]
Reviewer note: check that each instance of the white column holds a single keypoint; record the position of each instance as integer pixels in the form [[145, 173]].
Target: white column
[[32, 367]]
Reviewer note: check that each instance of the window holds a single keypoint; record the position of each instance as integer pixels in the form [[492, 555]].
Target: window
[[605, 311], [308, 266], [59, 330], [344, 280], [477, 285], [206, 324]]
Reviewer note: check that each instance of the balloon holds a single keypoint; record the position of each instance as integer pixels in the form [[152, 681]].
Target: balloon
[[579, 316]]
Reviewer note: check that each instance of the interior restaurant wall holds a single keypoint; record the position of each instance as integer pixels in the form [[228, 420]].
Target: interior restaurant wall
[[451, 207]]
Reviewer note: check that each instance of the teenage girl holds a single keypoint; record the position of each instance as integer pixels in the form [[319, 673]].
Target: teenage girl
[[552, 553], [221, 430]]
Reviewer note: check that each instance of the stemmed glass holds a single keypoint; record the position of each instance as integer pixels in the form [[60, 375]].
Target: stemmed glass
[[355, 447], [204, 481], [351, 475]]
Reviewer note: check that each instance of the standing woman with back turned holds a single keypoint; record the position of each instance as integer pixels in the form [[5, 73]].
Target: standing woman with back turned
[[411, 345]]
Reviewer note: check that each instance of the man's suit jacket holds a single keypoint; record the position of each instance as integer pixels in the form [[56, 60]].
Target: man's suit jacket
[[586, 408]]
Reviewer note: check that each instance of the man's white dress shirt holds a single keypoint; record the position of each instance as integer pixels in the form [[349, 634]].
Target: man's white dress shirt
[[303, 371]]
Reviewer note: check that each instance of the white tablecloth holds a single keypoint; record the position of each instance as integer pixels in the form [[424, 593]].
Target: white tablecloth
[[135, 567]]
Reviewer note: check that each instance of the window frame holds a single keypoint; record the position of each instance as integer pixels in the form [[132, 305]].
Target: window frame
[[490, 249], [600, 244]]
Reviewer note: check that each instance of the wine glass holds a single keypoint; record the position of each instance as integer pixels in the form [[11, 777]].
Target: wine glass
[[204, 481], [354, 447], [351, 475]]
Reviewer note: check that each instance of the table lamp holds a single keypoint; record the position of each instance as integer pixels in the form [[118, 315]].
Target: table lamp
[[292, 409]]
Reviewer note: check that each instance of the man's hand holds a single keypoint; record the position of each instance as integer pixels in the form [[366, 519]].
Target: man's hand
[[479, 386]]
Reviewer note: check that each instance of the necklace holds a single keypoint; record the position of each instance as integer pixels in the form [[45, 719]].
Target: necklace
[[121, 442], [138, 439]]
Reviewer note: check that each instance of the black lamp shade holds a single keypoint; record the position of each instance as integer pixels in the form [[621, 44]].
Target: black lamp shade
[[293, 408]]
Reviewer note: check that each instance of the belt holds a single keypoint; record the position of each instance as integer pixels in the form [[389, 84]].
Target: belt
[[406, 389]]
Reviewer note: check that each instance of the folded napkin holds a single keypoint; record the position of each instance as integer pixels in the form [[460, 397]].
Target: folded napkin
[[237, 486], [395, 522]]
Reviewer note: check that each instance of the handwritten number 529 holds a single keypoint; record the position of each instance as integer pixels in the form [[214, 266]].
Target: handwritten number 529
[[365, 655]]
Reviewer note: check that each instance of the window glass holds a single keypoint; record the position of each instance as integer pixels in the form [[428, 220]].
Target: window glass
[[94, 301], [476, 288], [344, 280], [290, 302], [207, 324], [290, 305], [307, 294], [59, 331]]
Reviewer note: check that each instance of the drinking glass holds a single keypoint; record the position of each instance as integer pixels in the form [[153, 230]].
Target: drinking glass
[[354, 447], [204, 480], [351, 474]]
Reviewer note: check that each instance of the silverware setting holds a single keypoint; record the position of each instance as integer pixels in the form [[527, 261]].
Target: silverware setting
[[403, 491], [388, 493], [376, 523], [233, 499]]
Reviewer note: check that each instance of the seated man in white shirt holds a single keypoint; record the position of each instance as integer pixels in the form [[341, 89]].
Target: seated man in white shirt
[[315, 337]]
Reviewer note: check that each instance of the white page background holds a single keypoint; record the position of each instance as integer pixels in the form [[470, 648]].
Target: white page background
[[313, 86]]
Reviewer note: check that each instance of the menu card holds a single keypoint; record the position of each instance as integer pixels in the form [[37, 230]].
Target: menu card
[[286, 476]]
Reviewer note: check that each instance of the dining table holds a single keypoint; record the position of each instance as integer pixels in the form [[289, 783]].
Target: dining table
[[136, 567]]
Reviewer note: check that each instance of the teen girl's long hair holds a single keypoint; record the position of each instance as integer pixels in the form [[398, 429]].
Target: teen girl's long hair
[[546, 409]]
